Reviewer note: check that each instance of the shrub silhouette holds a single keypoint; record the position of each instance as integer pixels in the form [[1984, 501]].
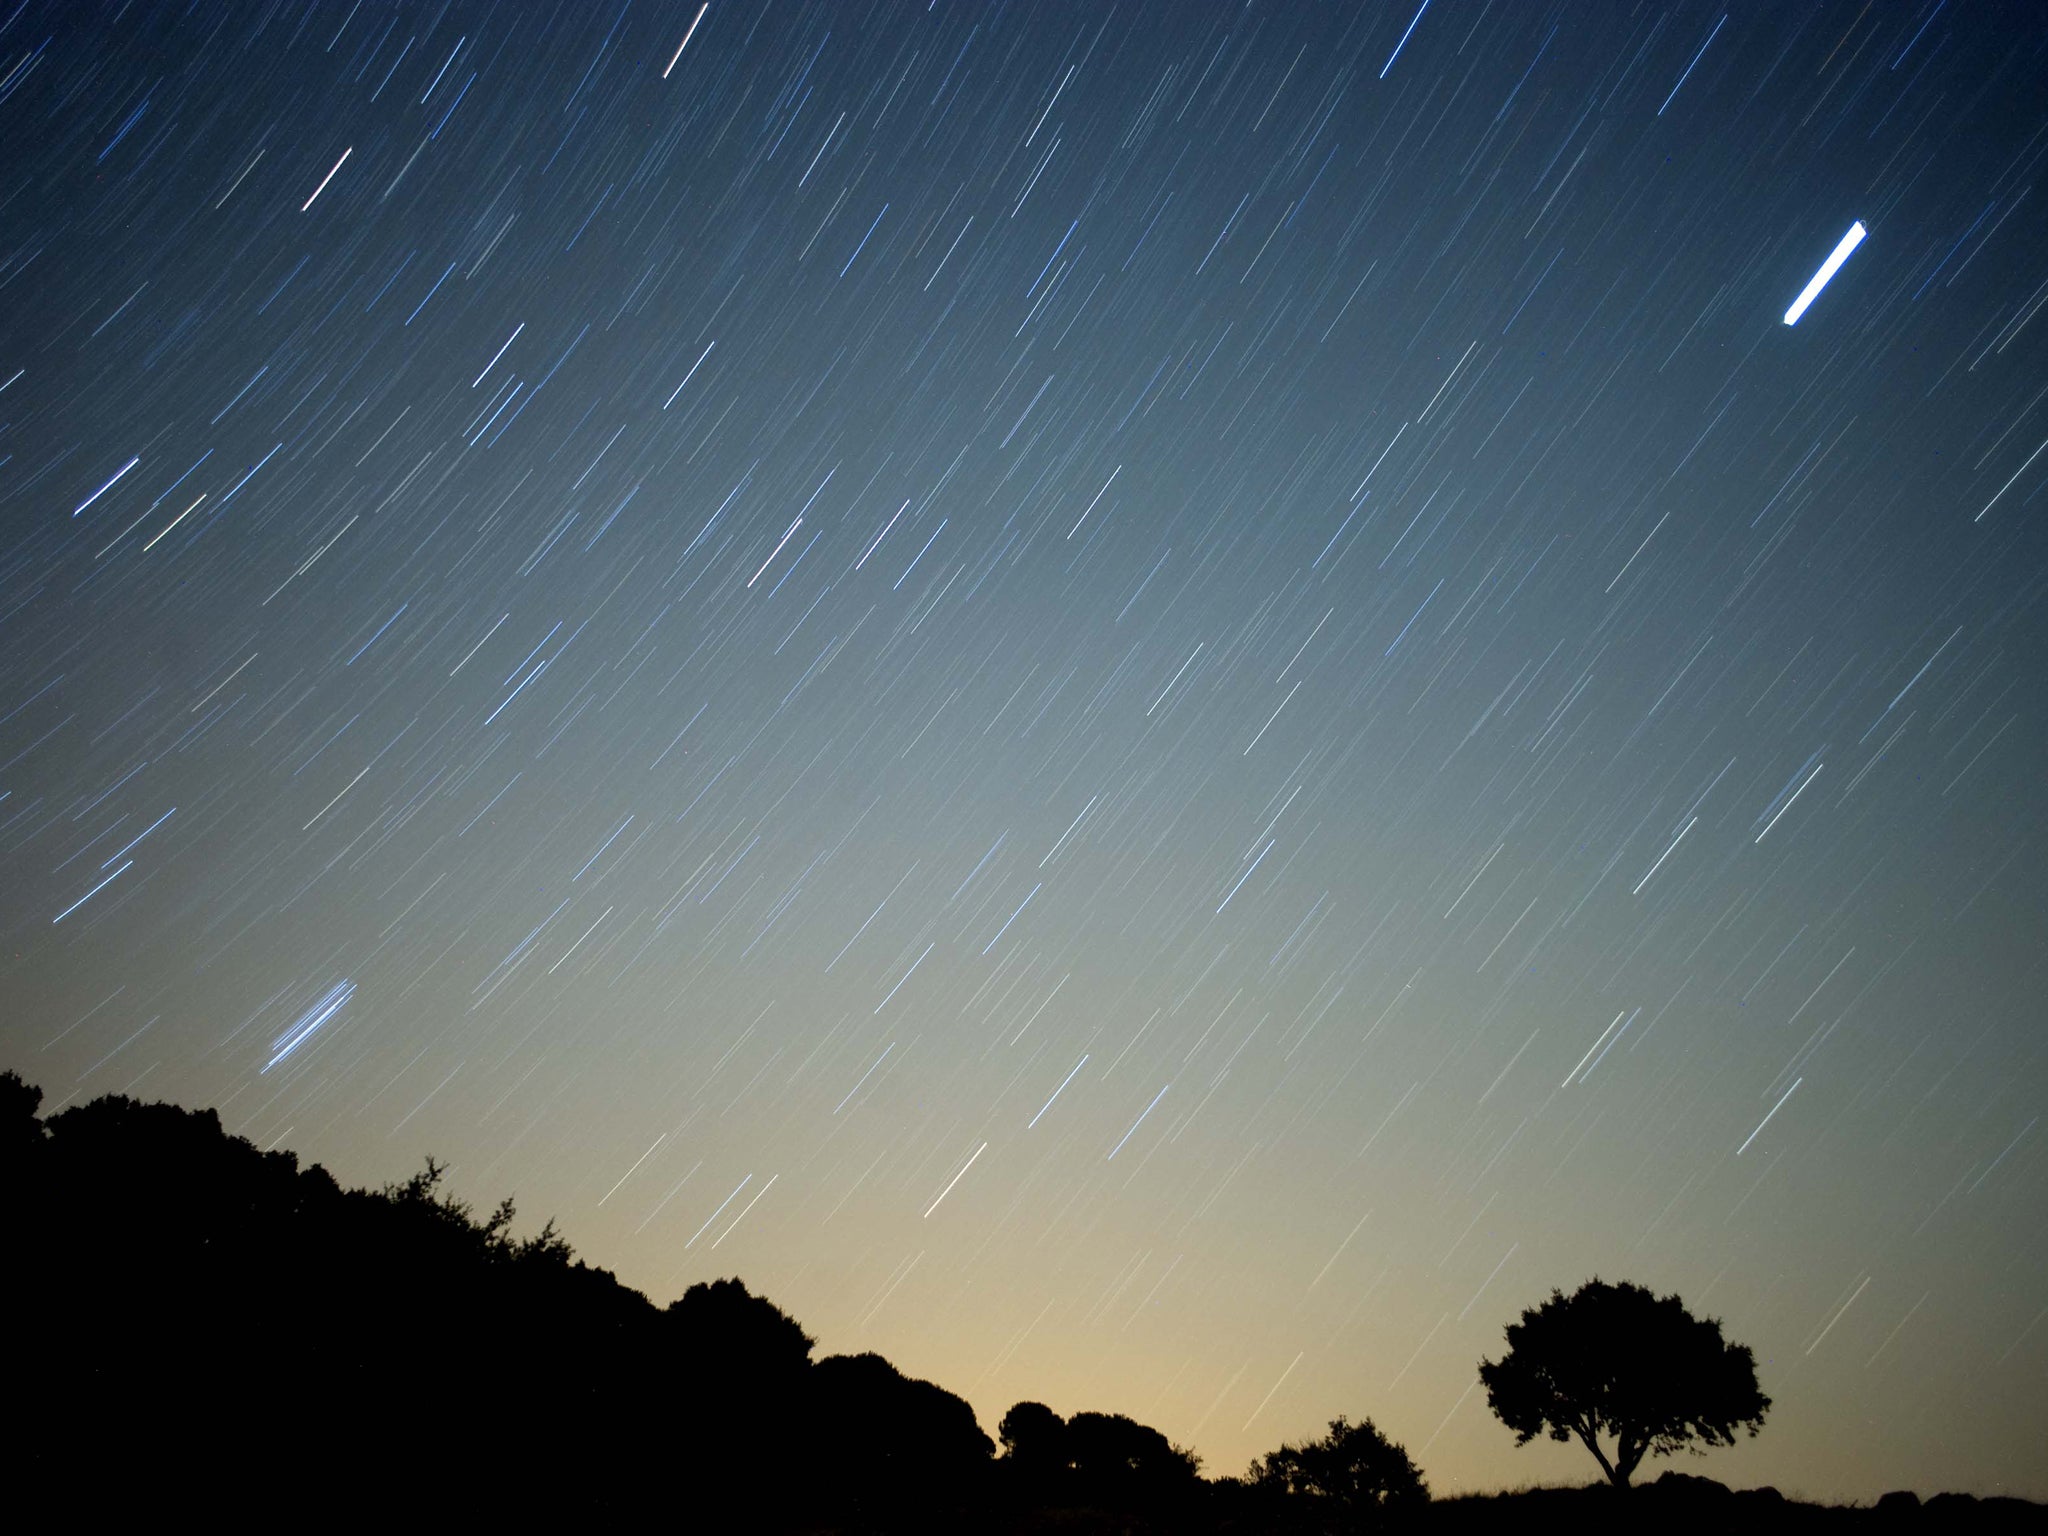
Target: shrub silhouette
[[1617, 1360], [1349, 1480]]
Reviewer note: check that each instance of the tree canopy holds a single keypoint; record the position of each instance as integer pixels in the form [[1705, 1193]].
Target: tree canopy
[[1351, 1475], [221, 1328], [230, 1330], [897, 1450], [1618, 1361], [1032, 1433], [1100, 1460]]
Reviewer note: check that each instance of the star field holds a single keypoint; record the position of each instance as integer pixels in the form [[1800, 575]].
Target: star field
[[1156, 706]]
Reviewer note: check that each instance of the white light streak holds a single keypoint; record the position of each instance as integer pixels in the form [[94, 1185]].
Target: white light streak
[[1788, 804], [1283, 1375], [2001, 490], [1098, 495], [907, 975], [775, 551], [1189, 662], [479, 645], [327, 178], [1895, 1329], [863, 560], [1057, 1092], [999, 932], [1590, 1050], [743, 1214], [608, 911], [1828, 269], [1665, 855], [1340, 1249], [864, 1077], [671, 400], [88, 896], [1247, 874], [331, 1002], [1489, 1280], [686, 37], [498, 354], [728, 1200], [1274, 716], [956, 1179], [634, 1169], [1137, 1122], [1838, 1315], [1752, 1136], [1695, 61], [96, 495], [1403, 43]]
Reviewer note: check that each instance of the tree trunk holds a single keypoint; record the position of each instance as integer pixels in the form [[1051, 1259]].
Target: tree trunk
[[1615, 1475], [1628, 1455]]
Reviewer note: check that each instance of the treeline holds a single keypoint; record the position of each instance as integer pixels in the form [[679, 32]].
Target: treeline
[[202, 1328], [198, 1329]]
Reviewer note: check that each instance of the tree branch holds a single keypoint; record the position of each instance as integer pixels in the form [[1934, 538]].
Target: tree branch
[[1592, 1443]]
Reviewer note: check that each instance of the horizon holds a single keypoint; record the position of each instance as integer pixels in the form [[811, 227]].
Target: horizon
[[1650, 1471], [1155, 707]]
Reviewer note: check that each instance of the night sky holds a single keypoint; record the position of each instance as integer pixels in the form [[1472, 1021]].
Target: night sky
[[1155, 706]]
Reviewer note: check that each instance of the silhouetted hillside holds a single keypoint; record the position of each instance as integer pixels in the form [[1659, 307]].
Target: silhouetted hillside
[[215, 1328], [1680, 1504], [201, 1330]]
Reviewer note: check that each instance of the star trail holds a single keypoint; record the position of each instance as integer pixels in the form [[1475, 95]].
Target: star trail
[[1154, 705]]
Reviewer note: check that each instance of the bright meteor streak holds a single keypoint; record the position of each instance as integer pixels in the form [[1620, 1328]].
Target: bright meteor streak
[[331, 1002], [686, 37], [1827, 270], [96, 495], [326, 179]]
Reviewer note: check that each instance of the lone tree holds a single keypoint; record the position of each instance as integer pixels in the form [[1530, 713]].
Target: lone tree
[[1617, 1360]]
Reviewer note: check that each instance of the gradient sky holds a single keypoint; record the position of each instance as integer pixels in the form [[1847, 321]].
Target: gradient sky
[[1155, 706]]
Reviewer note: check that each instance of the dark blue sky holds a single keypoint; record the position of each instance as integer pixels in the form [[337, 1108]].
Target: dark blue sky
[[1155, 706]]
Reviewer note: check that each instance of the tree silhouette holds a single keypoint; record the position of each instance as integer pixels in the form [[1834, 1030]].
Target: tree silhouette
[[223, 1327], [213, 1326], [1032, 1434], [1100, 1461], [1118, 1461], [898, 1452], [1617, 1360], [730, 1332], [20, 1131], [1034, 1461], [1348, 1480]]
